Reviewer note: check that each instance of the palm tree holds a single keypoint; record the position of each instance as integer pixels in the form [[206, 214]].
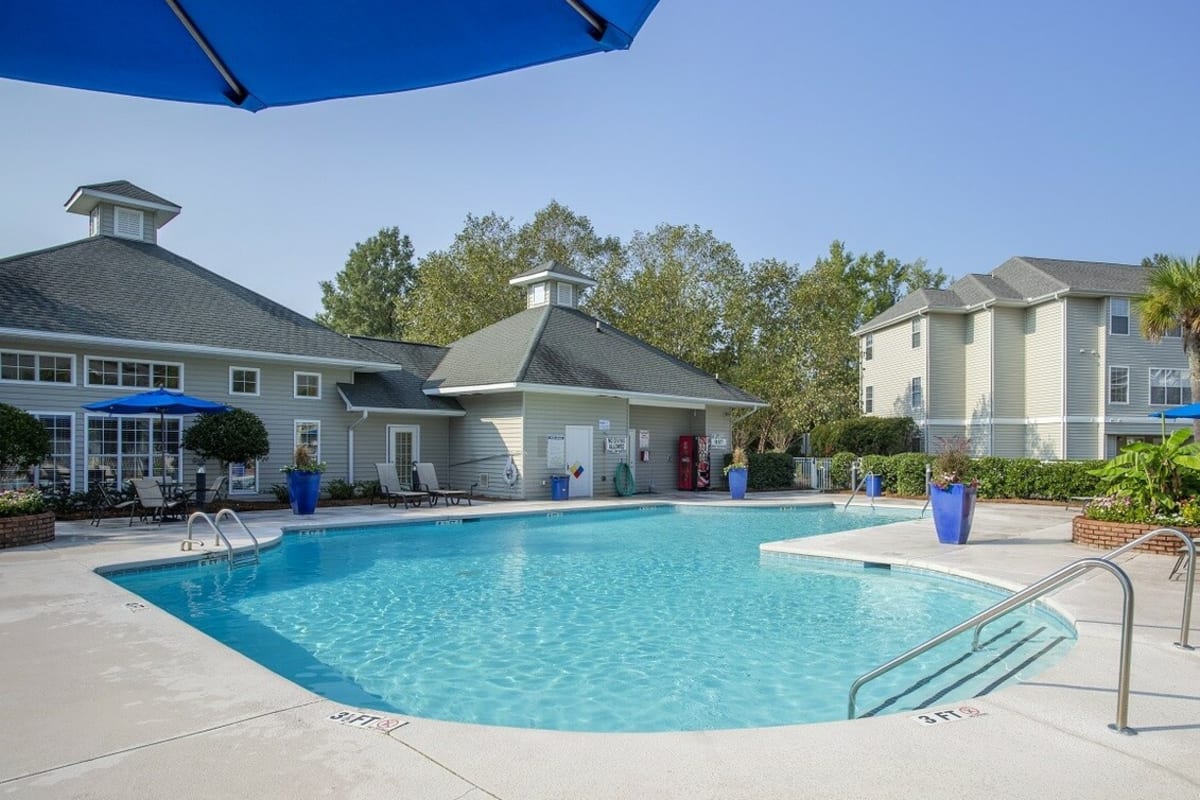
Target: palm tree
[[1172, 301]]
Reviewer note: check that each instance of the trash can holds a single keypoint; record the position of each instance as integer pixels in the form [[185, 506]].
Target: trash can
[[560, 487], [874, 485]]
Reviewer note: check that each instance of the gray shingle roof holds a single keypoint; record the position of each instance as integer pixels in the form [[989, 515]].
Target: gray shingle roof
[[393, 390], [112, 287], [127, 189], [559, 346], [1019, 280], [414, 357], [554, 268]]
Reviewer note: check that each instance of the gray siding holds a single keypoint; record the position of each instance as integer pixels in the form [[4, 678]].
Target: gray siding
[[666, 425], [719, 424], [370, 444], [547, 414], [481, 441], [1085, 387]]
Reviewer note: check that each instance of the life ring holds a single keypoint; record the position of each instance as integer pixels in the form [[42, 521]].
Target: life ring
[[623, 480], [510, 472]]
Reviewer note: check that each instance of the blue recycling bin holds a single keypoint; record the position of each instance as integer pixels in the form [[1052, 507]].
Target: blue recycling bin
[[874, 485], [560, 487]]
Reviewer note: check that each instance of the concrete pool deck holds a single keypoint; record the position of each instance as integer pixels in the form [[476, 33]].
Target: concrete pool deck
[[105, 697]]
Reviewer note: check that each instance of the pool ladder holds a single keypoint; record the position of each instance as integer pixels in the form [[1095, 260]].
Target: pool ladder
[[1048, 584], [235, 558]]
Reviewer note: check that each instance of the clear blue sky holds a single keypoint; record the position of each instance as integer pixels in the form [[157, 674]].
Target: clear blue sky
[[962, 133]]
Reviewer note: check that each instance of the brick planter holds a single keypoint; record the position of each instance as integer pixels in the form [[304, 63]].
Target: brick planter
[[29, 529], [1111, 535]]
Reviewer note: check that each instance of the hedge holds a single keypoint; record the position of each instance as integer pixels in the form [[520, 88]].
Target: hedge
[[867, 435]]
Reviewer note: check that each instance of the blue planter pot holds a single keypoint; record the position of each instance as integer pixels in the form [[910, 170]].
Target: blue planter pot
[[737, 482], [953, 511], [303, 490]]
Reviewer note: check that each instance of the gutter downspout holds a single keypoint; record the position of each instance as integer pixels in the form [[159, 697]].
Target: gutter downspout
[[350, 443], [1062, 376], [928, 383]]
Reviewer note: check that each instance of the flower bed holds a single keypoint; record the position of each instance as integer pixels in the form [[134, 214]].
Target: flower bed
[[1104, 535], [27, 529]]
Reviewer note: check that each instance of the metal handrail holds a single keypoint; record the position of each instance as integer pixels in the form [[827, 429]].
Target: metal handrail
[[854, 487], [1189, 588], [220, 535], [1023, 597], [229, 513]]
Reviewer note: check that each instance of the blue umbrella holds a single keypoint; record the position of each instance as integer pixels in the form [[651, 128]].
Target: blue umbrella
[[1190, 411], [259, 53], [162, 402]]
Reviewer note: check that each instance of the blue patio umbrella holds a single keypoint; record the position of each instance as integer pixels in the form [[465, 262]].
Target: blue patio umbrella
[[161, 402], [1190, 411], [259, 53]]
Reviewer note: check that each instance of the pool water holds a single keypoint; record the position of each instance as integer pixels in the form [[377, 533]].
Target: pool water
[[651, 619]]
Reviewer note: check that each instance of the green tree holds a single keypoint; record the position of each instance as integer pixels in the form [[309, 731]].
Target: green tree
[[235, 437], [363, 297], [1172, 300], [23, 439], [557, 233]]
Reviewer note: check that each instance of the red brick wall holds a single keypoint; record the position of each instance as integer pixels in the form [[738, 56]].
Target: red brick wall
[[29, 529], [1111, 535]]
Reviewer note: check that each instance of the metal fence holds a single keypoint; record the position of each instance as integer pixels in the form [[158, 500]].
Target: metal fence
[[813, 471]]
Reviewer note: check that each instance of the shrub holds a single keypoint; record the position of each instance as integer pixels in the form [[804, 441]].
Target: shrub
[[366, 488], [839, 470], [1112, 508], [340, 490], [952, 464], [281, 493], [235, 437], [867, 435], [21, 502], [23, 439], [1062, 480], [881, 466], [908, 473], [769, 471]]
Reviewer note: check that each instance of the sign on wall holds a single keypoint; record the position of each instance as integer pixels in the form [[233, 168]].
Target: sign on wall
[[718, 440], [616, 444], [556, 451], [644, 440], [604, 424]]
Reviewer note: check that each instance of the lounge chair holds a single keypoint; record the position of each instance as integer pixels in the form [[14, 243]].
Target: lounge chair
[[428, 482], [396, 492], [150, 502], [108, 499]]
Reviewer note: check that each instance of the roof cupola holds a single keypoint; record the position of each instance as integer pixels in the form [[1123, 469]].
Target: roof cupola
[[118, 208], [552, 284]]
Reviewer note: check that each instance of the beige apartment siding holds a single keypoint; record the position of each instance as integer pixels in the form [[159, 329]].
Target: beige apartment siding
[[943, 435], [666, 425], [1085, 384], [1008, 367], [977, 376], [944, 396], [891, 370], [547, 414], [1044, 441], [1083, 441], [1043, 361], [1008, 440], [492, 430], [370, 444]]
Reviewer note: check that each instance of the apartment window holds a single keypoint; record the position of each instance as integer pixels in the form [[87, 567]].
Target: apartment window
[[916, 396], [127, 223], [1169, 387], [868, 399], [1118, 384], [916, 332], [1118, 316], [1174, 333], [308, 433], [20, 366], [243, 380], [308, 384], [134, 374], [122, 448], [868, 346], [52, 473]]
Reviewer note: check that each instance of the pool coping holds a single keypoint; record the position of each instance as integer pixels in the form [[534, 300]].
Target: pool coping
[[110, 700]]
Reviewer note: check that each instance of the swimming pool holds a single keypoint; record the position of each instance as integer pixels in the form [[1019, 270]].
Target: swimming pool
[[650, 619]]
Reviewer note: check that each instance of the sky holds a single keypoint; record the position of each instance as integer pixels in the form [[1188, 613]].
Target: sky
[[960, 133]]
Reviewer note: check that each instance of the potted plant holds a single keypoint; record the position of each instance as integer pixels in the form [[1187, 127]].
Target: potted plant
[[24, 518], [304, 480], [736, 472], [952, 493]]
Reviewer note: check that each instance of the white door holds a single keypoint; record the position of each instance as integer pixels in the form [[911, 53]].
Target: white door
[[403, 448], [579, 460]]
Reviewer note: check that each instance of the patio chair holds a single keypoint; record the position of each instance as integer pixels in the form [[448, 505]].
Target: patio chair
[[427, 476], [215, 493], [396, 492], [150, 502], [108, 499]]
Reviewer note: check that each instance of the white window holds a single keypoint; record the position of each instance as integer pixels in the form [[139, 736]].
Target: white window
[[916, 397], [868, 399], [566, 294], [122, 448], [127, 223], [134, 374], [308, 433], [243, 478], [307, 385], [868, 346], [1118, 316], [1169, 387], [1118, 384], [916, 332], [54, 472], [537, 294], [1174, 333], [243, 380], [20, 366]]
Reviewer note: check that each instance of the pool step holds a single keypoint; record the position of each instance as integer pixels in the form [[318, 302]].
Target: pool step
[[981, 671]]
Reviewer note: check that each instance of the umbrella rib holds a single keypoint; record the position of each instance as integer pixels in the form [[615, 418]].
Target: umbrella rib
[[598, 23], [237, 93]]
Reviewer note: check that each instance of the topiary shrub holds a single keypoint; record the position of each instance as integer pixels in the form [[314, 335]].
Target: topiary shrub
[[236, 437], [23, 439]]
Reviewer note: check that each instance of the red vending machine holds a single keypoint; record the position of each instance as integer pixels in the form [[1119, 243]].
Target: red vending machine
[[703, 475], [686, 464]]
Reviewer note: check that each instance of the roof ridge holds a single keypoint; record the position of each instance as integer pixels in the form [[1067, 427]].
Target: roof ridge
[[531, 346], [49, 249]]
